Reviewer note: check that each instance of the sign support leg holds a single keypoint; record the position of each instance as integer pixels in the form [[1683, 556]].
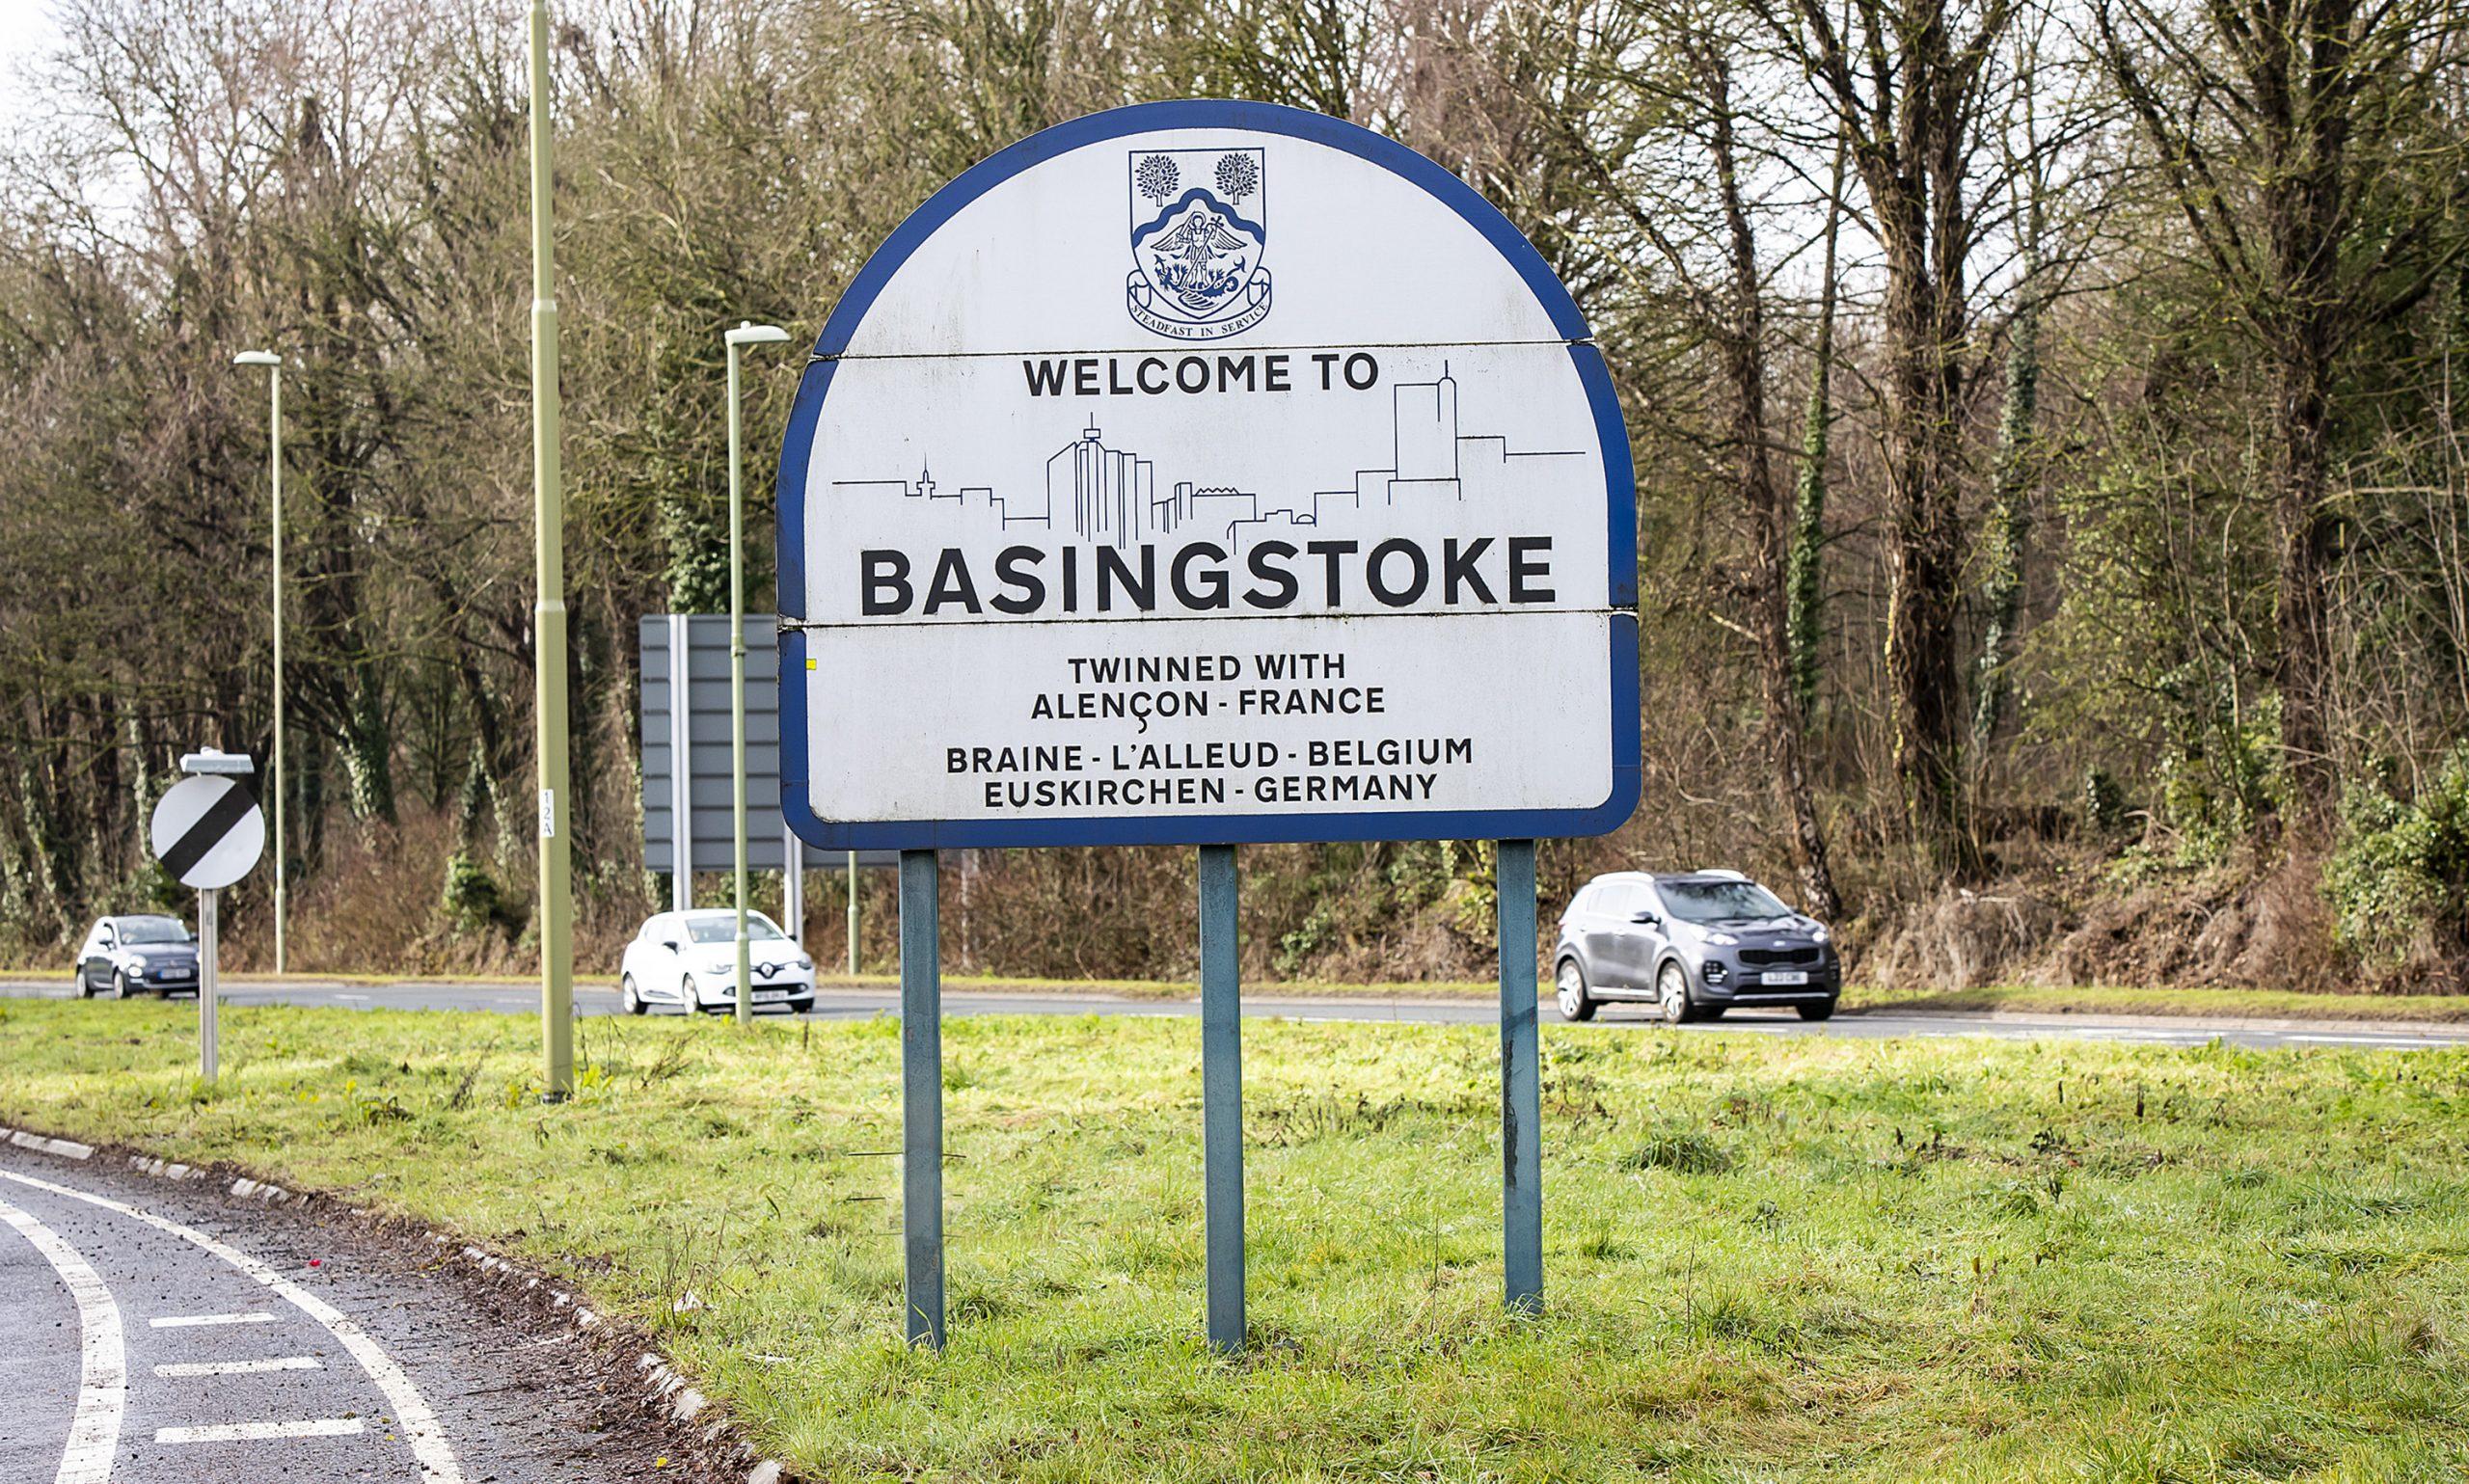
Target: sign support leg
[[1221, 1070], [208, 932], [1521, 1083], [921, 1095], [852, 914]]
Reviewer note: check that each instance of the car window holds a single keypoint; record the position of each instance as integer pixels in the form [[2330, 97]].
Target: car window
[[152, 930], [724, 930], [1708, 901]]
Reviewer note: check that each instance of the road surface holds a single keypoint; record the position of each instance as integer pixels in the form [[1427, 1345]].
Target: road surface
[[160, 1332], [833, 1003]]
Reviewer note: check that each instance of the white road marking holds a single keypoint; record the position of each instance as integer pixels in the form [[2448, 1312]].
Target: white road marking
[[429, 1447], [102, 1365], [192, 1321], [2364, 1040], [239, 1367], [359, 997], [260, 1432]]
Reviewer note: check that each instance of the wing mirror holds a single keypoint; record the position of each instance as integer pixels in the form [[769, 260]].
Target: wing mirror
[[669, 943], [1647, 919]]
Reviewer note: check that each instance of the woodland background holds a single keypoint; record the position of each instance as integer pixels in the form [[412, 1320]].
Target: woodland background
[[2052, 498]]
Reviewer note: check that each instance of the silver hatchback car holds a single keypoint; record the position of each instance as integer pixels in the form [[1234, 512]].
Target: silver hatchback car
[[1693, 944]]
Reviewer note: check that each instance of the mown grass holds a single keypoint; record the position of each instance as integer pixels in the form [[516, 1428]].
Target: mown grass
[[1766, 1258]]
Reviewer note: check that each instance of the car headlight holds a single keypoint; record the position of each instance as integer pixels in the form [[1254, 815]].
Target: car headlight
[[1819, 934], [805, 963], [1722, 939]]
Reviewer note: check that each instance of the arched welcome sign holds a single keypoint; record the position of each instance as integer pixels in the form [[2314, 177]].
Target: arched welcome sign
[[1205, 473]]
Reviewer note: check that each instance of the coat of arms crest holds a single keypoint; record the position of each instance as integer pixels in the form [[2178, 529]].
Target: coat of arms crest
[[1198, 228]]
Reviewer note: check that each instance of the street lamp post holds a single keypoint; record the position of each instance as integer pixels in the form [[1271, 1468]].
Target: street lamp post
[[549, 609], [273, 364], [746, 333]]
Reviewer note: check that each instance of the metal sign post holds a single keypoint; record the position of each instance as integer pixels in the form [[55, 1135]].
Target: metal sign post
[[208, 967], [1521, 1082], [1221, 1095], [1198, 518], [921, 1096], [209, 831]]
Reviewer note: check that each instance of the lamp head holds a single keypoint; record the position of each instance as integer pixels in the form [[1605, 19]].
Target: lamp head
[[749, 333], [265, 358]]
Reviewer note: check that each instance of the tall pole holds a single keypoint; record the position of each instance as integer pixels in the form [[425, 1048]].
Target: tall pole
[[274, 470], [273, 364], [852, 914], [549, 607], [737, 693], [746, 333]]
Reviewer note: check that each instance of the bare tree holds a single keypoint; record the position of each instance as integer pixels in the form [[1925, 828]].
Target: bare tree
[[2307, 146]]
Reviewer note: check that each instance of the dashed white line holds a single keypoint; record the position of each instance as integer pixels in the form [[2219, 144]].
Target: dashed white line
[[102, 1364], [239, 1367], [196, 1321], [260, 1432], [411, 1411]]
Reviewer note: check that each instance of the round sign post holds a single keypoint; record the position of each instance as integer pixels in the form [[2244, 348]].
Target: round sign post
[[1238, 476], [209, 831]]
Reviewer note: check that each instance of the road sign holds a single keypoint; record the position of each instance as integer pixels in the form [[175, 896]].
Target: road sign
[[1207, 472], [209, 831]]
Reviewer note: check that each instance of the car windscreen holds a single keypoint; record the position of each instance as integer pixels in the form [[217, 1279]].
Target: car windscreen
[[1709, 901], [724, 930], [151, 929]]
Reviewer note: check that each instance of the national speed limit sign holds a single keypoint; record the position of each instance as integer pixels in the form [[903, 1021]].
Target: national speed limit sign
[[209, 831]]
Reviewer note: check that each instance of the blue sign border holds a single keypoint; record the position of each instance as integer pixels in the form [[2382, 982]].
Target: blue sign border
[[1612, 433]]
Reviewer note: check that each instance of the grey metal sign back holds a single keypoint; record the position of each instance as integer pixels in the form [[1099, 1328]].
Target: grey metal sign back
[[686, 658]]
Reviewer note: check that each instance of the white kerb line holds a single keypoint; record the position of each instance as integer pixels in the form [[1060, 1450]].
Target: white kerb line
[[197, 1321], [102, 1364], [429, 1447]]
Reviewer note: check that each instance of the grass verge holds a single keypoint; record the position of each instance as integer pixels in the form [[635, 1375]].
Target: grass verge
[[2221, 1004], [1766, 1258]]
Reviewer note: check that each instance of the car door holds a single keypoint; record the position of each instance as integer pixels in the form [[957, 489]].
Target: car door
[[93, 967], [1605, 951], [1638, 944]]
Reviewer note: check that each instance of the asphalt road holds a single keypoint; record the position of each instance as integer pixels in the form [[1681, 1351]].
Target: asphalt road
[[857, 1002], [161, 1334]]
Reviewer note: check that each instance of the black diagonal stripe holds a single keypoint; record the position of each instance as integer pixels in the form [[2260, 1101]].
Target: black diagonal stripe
[[208, 830]]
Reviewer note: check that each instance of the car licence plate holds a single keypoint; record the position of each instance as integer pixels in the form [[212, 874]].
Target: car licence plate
[[1787, 976]]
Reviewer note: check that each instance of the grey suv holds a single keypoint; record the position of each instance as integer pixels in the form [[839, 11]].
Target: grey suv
[[1695, 945]]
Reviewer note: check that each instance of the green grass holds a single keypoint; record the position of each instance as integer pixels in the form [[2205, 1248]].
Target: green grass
[[1766, 1258]]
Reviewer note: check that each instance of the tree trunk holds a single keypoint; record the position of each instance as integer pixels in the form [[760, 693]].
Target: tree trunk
[[1804, 621], [1743, 340]]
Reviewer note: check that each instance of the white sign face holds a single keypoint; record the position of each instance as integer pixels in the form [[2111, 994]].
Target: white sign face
[[208, 832], [1207, 472]]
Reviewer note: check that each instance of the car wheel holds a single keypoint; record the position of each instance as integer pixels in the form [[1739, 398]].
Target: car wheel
[[630, 996], [1821, 1012], [1672, 992], [689, 998], [85, 982], [119, 985], [1569, 983]]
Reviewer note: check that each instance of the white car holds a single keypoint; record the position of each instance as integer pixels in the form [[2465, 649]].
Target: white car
[[688, 960]]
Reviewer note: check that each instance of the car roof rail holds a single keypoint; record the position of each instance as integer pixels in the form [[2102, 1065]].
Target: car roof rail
[[1721, 873]]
